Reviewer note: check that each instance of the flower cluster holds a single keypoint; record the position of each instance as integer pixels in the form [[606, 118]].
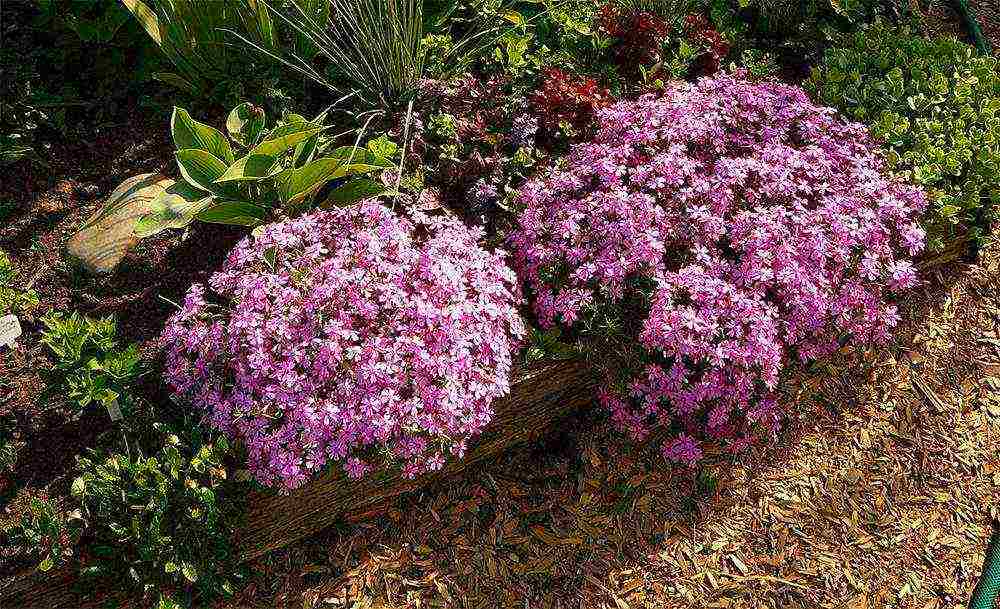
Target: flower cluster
[[726, 228], [565, 98], [351, 336], [638, 36]]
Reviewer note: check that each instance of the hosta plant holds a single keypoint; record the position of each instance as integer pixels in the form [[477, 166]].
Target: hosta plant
[[935, 104], [350, 337], [255, 172], [708, 238]]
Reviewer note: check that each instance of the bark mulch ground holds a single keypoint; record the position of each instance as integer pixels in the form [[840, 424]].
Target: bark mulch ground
[[879, 494]]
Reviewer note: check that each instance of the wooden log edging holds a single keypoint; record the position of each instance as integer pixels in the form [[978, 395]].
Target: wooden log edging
[[539, 397]]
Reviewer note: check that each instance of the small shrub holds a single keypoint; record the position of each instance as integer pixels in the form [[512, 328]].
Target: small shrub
[[161, 522], [934, 103], [91, 367], [45, 533], [351, 337], [565, 99], [706, 239], [637, 36], [14, 300]]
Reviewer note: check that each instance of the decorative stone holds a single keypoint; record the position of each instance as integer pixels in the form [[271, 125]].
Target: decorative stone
[[107, 235]]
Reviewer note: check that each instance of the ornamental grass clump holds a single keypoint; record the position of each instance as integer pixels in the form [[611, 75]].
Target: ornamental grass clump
[[706, 239], [352, 336]]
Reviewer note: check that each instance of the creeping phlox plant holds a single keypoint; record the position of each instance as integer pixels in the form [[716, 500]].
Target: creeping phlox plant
[[353, 336], [706, 238]]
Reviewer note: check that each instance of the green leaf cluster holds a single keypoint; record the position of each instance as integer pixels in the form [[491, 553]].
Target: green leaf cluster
[[935, 105], [162, 520], [245, 177], [91, 367], [14, 300], [45, 533]]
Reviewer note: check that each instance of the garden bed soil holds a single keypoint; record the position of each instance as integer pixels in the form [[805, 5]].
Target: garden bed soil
[[41, 205]]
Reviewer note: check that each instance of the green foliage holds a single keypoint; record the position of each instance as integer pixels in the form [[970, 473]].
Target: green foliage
[[759, 65], [90, 366], [548, 344], [14, 299], [162, 520], [243, 179], [68, 64], [376, 45], [93, 21], [935, 104], [201, 40], [45, 533]]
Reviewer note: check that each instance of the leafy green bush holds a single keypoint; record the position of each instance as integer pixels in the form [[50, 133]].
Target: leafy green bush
[[935, 104], [45, 533], [202, 41], [14, 300], [161, 522], [90, 367]]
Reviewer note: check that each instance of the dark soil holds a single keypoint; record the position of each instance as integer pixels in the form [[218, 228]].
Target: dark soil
[[42, 206]]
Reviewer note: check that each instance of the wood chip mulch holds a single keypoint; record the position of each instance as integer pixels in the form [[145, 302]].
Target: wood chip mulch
[[879, 494]]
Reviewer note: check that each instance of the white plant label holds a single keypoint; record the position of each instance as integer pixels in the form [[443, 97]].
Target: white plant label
[[10, 330], [114, 411]]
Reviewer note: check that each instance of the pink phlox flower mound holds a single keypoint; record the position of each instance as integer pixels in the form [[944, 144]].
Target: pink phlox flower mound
[[751, 226], [352, 336]]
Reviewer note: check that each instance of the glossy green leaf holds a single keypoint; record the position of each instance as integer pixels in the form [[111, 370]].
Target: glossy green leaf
[[190, 134], [283, 139], [239, 213], [245, 124], [353, 191], [200, 168], [294, 185], [251, 168]]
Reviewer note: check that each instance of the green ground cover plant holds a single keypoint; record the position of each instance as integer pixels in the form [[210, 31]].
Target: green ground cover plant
[[160, 513], [91, 366], [15, 297], [934, 105]]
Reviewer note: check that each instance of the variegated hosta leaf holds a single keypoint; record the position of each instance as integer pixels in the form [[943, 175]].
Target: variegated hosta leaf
[[200, 168], [294, 185], [175, 207], [250, 168], [106, 236], [190, 134], [362, 159], [246, 124], [284, 138], [234, 212], [352, 192]]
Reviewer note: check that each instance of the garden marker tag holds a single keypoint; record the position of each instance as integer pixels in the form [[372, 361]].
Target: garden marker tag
[[10, 330], [114, 411]]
